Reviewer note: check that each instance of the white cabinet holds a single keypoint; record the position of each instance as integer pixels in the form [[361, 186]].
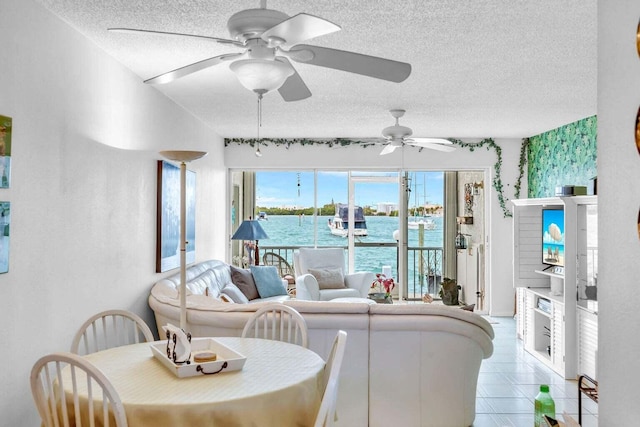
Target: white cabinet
[[561, 334], [587, 342], [544, 328]]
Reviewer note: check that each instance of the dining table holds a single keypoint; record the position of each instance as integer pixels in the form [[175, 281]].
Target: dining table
[[280, 384]]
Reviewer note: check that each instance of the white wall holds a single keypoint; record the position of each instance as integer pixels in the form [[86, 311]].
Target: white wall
[[83, 212], [618, 203], [499, 247]]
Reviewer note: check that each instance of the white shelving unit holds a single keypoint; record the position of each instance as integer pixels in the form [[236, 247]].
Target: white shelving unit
[[557, 335]]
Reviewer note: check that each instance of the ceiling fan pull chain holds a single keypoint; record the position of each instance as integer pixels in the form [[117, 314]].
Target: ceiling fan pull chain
[[260, 93]]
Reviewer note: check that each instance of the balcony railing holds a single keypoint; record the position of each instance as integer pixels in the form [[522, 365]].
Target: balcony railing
[[425, 264]]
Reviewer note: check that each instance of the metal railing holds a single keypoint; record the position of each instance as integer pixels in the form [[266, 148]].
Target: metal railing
[[425, 265]]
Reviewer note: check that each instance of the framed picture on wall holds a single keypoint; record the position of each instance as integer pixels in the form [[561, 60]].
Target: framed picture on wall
[[5, 219], [168, 217], [5, 151]]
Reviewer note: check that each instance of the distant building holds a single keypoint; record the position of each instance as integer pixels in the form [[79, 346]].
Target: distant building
[[387, 207]]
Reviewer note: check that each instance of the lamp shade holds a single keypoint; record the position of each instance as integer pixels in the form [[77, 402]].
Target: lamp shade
[[250, 230], [261, 74]]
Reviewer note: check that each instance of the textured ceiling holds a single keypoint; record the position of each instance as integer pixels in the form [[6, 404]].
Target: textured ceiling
[[491, 68]]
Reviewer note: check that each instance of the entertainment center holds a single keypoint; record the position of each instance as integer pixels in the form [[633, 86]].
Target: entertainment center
[[555, 275]]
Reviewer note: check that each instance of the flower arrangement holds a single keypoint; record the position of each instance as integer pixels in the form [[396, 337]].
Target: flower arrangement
[[382, 282]]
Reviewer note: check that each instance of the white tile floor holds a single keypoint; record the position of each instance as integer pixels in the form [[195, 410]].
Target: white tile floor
[[510, 380]]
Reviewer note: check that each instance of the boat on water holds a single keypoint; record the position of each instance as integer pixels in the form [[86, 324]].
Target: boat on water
[[426, 221], [339, 224], [262, 216], [423, 220]]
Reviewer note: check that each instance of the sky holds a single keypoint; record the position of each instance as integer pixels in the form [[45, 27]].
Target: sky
[[285, 189]]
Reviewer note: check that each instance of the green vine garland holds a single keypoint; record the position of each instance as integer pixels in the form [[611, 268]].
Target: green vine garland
[[471, 146], [287, 142], [524, 149]]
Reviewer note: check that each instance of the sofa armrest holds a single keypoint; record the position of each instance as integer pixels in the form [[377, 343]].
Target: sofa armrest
[[361, 281], [307, 288]]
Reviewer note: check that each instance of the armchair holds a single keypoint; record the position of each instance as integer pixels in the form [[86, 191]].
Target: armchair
[[320, 276]]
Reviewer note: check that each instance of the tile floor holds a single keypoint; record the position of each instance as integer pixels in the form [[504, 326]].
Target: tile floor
[[509, 382]]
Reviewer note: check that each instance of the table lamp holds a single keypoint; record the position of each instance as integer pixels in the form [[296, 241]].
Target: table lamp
[[183, 157], [251, 230]]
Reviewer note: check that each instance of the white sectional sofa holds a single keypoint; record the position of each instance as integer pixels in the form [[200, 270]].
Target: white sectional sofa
[[405, 364]]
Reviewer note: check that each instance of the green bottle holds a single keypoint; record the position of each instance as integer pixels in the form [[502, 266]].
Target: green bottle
[[544, 405]]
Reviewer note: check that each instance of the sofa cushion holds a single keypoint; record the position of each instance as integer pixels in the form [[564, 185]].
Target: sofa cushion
[[268, 281], [330, 294], [243, 279], [233, 292], [328, 278], [205, 283]]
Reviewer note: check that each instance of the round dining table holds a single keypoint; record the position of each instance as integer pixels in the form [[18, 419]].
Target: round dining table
[[280, 384]]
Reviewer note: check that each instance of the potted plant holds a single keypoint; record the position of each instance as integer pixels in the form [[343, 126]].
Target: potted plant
[[383, 287]]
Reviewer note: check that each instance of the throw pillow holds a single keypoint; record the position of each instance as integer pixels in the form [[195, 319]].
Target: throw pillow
[[328, 278], [243, 279], [268, 281], [232, 291]]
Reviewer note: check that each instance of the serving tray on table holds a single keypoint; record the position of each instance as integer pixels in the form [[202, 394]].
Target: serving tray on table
[[227, 360]]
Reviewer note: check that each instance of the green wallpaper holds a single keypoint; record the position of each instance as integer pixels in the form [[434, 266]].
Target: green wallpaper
[[562, 156]]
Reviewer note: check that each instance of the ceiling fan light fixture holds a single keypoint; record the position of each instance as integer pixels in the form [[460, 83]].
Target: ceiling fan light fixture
[[261, 74]]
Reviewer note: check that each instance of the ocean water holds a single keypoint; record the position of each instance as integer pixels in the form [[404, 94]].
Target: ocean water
[[291, 230]]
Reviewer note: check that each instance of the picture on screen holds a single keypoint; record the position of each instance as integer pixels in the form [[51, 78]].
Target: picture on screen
[[553, 237]]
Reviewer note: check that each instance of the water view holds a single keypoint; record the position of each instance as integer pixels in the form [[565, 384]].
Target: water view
[[292, 230]]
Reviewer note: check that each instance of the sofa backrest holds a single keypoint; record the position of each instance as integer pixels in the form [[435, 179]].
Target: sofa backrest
[[306, 258], [208, 276]]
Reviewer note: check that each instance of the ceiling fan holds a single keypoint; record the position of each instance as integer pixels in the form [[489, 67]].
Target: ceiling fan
[[397, 136], [270, 39]]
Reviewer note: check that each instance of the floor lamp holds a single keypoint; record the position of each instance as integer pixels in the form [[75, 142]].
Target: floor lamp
[[183, 157]]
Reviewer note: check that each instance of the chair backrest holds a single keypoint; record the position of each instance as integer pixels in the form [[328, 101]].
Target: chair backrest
[[111, 328], [327, 412], [277, 322], [319, 258], [272, 258], [58, 380]]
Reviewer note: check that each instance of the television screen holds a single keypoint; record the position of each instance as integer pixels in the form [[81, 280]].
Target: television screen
[[553, 237]]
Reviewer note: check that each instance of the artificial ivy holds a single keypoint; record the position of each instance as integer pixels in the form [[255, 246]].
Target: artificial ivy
[[343, 142], [524, 148], [287, 142]]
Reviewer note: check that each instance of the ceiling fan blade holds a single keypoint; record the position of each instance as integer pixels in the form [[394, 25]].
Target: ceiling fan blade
[[299, 28], [191, 68], [419, 140], [294, 88], [372, 66], [166, 33], [447, 148], [388, 149]]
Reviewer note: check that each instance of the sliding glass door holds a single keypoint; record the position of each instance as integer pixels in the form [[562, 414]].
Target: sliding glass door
[[384, 220]]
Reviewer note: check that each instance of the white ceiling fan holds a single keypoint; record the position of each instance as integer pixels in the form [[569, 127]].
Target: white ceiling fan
[[269, 39], [396, 136]]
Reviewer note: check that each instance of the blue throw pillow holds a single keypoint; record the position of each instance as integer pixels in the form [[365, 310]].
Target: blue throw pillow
[[268, 282]]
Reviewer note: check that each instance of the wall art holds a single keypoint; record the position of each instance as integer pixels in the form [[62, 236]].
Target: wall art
[[638, 131], [5, 151], [168, 217], [5, 219]]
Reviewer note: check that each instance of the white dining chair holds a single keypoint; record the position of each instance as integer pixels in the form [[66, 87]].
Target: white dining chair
[[111, 328], [327, 412], [57, 398], [277, 322]]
